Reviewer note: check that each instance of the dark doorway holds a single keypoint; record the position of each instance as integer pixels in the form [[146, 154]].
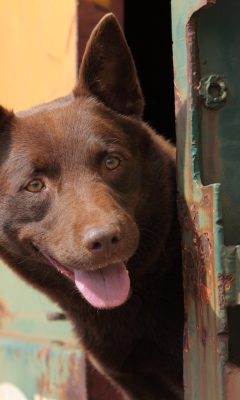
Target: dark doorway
[[147, 27]]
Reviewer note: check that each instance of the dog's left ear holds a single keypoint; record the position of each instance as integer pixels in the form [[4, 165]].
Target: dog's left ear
[[6, 118], [6, 122], [108, 71]]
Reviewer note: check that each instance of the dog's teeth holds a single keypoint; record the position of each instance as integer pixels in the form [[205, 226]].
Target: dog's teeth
[[127, 271]]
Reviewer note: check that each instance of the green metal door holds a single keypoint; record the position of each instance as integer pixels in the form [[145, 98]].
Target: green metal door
[[206, 51]]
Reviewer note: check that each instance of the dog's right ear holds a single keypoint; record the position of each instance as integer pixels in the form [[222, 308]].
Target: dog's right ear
[[108, 71]]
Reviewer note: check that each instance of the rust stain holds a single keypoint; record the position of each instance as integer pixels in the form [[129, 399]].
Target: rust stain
[[186, 340], [228, 280], [195, 215], [198, 290], [184, 214], [74, 388], [44, 385], [196, 259], [224, 283], [44, 352], [192, 284], [188, 258], [4, 311], [205, 247], [205, 294], [204, 336], [178, 98], [205, 201]]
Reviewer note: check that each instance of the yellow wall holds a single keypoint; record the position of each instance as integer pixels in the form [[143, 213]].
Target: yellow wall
[[38, 51]]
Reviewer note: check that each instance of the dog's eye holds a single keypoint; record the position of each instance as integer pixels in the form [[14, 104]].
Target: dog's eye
[[35, 186], [112, 163]]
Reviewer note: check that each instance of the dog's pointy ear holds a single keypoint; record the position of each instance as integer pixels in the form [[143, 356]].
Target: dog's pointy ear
[[108, 71], [6, 118]]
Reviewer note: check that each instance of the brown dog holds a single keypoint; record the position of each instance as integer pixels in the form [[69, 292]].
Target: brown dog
[[88, 216]]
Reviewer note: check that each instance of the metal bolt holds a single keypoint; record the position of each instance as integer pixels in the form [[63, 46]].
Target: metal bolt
[[214, 91]]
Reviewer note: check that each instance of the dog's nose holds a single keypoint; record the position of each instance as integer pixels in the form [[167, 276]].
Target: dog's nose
[[102, 240]]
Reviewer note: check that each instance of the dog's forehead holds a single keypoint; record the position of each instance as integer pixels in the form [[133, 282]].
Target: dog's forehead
[[76, 121], [71, 131]]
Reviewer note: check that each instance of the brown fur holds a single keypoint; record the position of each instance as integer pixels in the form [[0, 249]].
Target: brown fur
[[138, 344]]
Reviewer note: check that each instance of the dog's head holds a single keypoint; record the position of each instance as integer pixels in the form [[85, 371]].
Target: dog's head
[[72, 191]]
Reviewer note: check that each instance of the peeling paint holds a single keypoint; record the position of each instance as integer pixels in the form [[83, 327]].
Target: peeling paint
[[44, 352], [178, 99], [47, 372], [200, 210], [188, 258], [205, 247], [186, 340], [224, 283], [204, 336], [4, 311], [184, 214], [205, 294]]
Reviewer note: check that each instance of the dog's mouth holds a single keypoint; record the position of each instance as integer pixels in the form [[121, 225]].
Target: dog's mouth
[[103, 287]]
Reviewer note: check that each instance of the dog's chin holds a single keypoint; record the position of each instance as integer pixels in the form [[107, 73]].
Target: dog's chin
[[106, 286]]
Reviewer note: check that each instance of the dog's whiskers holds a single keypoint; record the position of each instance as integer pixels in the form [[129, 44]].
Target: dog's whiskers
[[9, 249]]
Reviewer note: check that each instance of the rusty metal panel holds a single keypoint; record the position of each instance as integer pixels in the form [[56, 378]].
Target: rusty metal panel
[[40, 371], [39, 359], [206, 39]]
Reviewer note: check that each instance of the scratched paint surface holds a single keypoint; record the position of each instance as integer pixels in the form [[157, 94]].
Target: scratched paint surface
[[206, 42], [43, 371]]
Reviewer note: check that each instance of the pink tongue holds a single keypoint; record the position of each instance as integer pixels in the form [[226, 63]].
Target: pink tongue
[[106, 287]]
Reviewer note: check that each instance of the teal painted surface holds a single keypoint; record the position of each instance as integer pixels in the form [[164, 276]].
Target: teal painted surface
[[38, 356], [219, 42], [54, 373], [23, 310], [206, 43]]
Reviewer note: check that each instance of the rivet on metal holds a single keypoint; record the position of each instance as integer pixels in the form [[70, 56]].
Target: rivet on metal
[[213, 90]]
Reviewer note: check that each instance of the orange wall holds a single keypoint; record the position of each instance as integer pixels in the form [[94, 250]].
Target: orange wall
[[38, 42]]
